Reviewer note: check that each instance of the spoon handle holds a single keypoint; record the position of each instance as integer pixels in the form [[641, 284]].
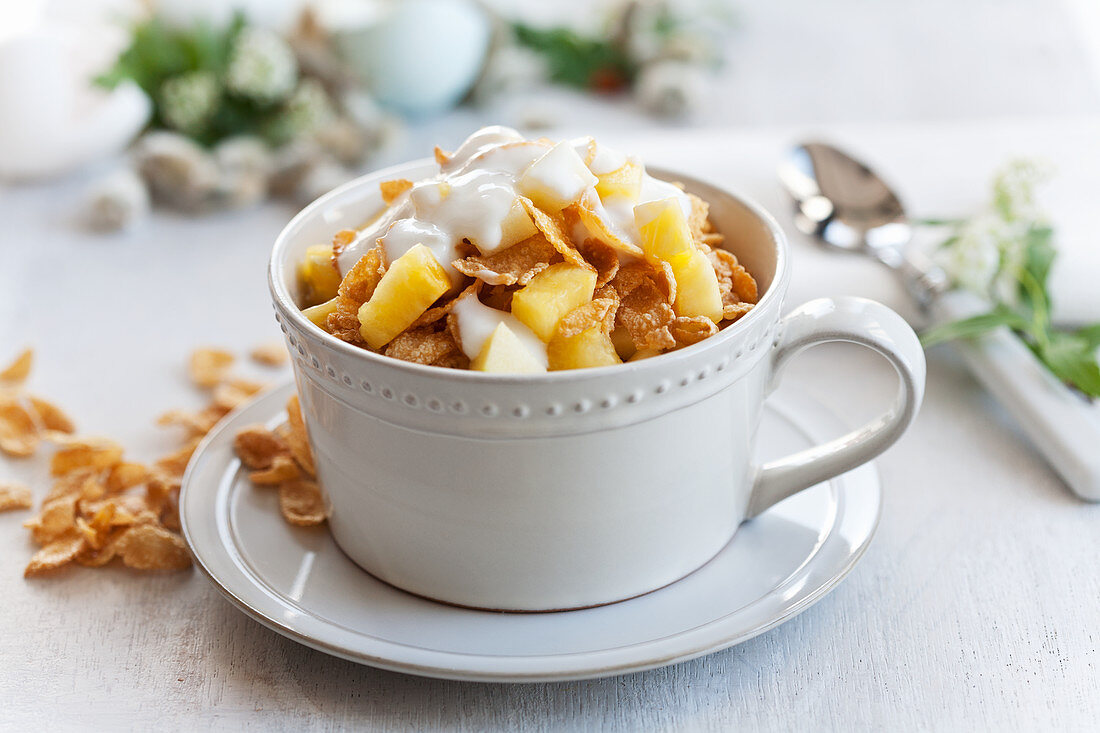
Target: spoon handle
[[1062, 424]]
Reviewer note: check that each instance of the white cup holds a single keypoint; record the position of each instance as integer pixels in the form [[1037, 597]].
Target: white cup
[[574, 488]]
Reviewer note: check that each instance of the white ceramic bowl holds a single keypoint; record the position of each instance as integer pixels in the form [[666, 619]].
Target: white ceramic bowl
[[574, 488]]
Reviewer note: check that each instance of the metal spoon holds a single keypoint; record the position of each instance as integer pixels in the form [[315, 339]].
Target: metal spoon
[[845, 206]]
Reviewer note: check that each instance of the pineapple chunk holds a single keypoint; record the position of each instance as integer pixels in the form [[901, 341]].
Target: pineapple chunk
[[666, 236], [319, 313], [551, 294], [516, 226], [625, 181], [504, 352], [557, 179], [644, 354], [412, 283], [589, 348], [624, 344], [318, 275]]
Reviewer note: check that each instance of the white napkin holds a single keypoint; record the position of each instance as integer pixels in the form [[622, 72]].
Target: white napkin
[[941, 169]]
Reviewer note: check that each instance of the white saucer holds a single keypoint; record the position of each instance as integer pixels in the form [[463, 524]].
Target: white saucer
[[297, 581]]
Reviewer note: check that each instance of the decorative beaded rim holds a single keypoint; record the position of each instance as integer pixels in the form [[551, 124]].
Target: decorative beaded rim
[[522, 411]]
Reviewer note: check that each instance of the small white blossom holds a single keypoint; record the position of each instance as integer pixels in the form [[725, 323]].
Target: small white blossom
[[1014, 189], [188, 101], [307, 110], [262, 66], [670, 88]]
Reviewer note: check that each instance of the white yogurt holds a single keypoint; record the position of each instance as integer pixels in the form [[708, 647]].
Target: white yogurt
[[477, 321], [476, 189]]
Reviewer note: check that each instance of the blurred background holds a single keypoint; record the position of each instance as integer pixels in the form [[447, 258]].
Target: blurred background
[[286, 98]]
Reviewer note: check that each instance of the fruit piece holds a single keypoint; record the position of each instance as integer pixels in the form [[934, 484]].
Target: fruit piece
[[557, 179], [317, 275], [516, 226], [624, 344], [320, 313], [504, 352], [550, 295], [666, 236], [589, 348], [625, 181], [412, 283]]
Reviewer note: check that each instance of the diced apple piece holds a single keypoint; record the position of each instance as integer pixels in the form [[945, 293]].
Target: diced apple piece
[[666, 236], [504, 352], [557, 179], [412, 283], [625, 181], [589, 348], [516, 226], [317, 275], [319, 313], [551, 294]]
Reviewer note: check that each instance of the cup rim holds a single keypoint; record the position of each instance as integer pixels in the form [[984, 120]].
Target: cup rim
[[284, 302]]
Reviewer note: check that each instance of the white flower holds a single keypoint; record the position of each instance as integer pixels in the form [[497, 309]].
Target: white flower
[[262, 66], [670, 88], [1014, 189], [307, 109], [188, 101]]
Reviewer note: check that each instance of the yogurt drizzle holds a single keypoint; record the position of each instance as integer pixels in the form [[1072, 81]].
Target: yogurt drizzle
[[474, 192]]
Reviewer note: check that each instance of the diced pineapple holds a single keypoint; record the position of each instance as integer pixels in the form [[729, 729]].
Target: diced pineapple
[[557, 179], [625, 181], [504, 352], [412, 283], [516, 226], [624, 344], [589, 348], [320, 313], [318, 275], [644, 354], [551, 294], [666, 236], [697, 289]]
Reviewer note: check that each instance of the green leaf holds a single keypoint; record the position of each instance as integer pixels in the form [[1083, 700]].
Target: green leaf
[[575, 60], [1039, 252], [974, 326], [1091, 336], [1073, 361]]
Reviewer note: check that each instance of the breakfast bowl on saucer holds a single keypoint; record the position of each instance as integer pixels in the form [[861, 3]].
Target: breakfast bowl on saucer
[[532, 374]]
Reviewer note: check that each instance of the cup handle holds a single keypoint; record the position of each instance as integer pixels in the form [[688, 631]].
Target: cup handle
[[860, 321]]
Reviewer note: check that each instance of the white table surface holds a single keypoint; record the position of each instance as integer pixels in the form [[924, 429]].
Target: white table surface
[[977, 605]]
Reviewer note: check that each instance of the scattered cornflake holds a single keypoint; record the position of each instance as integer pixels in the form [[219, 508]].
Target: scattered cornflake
[[273, 354], [92, 453], [149, 547], [55, 554], [283, 468], [257, 446], [51, 416], [301, 503], [282, 459], [18, 430], [209, 366], [392, 189], [19, 369], [14, 496]]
